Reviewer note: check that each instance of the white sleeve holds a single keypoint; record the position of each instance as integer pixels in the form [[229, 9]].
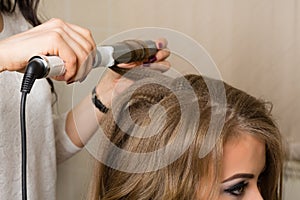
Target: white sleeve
[[65, 148]]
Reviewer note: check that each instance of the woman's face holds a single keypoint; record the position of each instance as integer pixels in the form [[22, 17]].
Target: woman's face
[[243, 162]]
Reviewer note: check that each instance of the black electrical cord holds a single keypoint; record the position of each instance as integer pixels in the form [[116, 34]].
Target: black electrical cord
[[23, 138], [35, 69]]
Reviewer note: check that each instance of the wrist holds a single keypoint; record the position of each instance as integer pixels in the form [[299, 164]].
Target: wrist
[[98, 103], [106, 87], [104, 92]]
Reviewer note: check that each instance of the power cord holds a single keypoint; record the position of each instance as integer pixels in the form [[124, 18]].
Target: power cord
[[35, 69], [23, 140]]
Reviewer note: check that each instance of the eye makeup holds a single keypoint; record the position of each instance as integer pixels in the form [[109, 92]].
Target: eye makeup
[[237, 189], [236, 185]]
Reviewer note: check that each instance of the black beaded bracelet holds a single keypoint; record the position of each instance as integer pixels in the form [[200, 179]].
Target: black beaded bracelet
[[98, 103]]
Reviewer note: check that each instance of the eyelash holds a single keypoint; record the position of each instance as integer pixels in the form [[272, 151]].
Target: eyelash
[[237, 189]]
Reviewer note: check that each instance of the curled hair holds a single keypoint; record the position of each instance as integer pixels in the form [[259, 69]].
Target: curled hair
[[189, 175]]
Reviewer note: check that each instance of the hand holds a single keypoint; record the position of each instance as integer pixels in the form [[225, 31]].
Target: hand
[[107, 85], [55, 37]]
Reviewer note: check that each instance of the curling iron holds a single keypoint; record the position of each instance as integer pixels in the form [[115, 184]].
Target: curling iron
[[41, 66], [106, 56]]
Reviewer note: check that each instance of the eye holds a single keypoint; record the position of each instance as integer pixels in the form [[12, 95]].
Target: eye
[[237, 189]]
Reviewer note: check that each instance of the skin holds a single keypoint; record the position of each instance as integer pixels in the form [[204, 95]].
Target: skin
[[243, 162]]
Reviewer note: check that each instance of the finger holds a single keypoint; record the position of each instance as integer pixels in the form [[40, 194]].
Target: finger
[[85, 40], [162, 66], [80, 52], [81, 35], [71, 63], [85, 68], [129, 65], [162, 55], [85, 33], [161, 43]]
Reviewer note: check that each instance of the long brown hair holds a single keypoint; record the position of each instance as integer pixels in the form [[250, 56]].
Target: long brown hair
[[28, 9], [190, 174]]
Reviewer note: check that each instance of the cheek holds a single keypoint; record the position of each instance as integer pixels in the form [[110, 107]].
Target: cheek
[[225, 197]]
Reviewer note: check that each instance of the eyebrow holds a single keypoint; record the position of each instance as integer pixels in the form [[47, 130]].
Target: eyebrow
[[248, 176]]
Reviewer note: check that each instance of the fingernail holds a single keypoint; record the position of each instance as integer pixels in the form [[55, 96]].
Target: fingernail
[[152, 59], [160, 45]]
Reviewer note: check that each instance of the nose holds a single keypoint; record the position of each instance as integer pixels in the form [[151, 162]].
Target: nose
[[253, 193]]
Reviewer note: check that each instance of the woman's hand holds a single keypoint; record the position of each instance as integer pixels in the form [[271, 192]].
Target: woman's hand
[[113, 83], [73, 44]]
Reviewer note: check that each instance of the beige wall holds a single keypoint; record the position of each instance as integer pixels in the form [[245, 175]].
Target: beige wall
[[254, 43]]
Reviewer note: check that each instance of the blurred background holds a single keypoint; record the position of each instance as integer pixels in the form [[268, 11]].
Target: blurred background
[[255, 45]]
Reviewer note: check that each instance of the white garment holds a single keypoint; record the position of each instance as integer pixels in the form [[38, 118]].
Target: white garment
[[47, 141]]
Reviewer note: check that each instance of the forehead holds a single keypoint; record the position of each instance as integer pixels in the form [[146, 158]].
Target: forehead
[[243, 154]]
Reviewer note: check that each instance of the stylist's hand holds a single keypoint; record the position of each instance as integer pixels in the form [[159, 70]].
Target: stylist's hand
[[55, 37], [106, 88]]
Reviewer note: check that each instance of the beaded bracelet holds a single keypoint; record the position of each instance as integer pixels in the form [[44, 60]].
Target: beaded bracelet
[[98, 103]]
